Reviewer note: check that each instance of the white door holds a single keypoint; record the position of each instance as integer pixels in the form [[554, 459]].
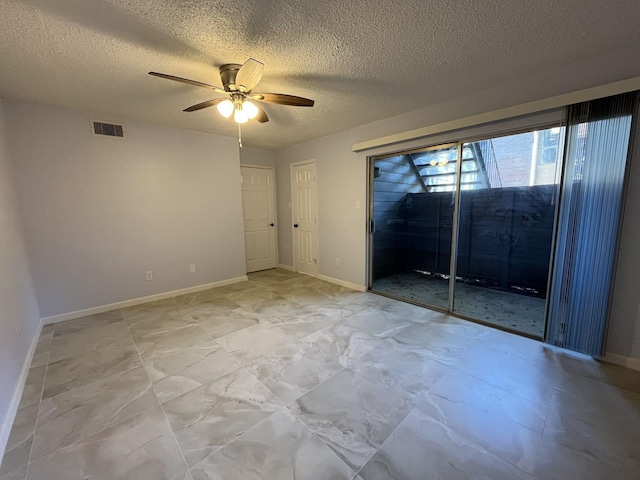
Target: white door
[[258, 206], [303, 191]]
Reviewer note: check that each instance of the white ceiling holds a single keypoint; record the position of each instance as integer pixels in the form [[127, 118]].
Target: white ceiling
[[360, 60]]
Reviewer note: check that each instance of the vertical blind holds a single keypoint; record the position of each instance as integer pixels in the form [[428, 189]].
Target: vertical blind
[[597, 146]]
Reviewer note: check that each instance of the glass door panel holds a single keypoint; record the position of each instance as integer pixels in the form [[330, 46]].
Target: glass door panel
[[413, 197], [506, 218]]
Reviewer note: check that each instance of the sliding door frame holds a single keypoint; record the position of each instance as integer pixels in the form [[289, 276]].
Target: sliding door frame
[[459, 143]]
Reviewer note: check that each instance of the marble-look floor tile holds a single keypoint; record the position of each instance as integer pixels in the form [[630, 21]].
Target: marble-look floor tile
[[557, 461], [295, 369], [80, 370], [212, 296], [377, 322], [568, 365], [186, 476], [352, 365], [17, 474], [81, 324], [299, 316], [507, 425], [83, 411], [44, 342], [338, 312], [191, 367], [309, 296], [279, 448], [422, 448], [250, 294], [444, 342], [140, 448], [509, 372], [398, 367], [252, 343], [595, 411], [32, 392], [18, 447], [209, 417], [156, 323], [228, 322], [149, 308], [209, 308], [154, 345], [88, 340], [352, 415], [271, 308], [40, 359], [47, 330]]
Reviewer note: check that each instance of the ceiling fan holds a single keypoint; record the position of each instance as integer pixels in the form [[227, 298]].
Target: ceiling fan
[[238, 82]]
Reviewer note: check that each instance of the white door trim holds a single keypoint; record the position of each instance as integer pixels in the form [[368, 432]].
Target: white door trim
[[315, 231], [275, 202]]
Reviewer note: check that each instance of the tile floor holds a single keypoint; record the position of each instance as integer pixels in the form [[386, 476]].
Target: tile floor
[[287, 377]]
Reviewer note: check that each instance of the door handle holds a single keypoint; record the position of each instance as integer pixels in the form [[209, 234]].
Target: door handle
[[295, 225], [272, 225]]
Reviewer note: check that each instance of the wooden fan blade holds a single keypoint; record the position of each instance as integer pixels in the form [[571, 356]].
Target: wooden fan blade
[[208, 103], [249, 75], [187, 81], [282, 99], [262, 116]]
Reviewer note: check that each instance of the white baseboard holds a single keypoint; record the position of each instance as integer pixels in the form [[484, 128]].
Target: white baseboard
[[137, 301], [629, 362], [285, 267], [342, 283], [5, 428]]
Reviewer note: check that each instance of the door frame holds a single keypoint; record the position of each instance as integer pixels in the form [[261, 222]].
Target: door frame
[[315, 199], [275, 205], [461, 141]]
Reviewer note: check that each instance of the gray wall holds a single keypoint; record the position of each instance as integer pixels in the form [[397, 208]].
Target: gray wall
[[19, 316], [624, 327], [99, 212], [258, 156]]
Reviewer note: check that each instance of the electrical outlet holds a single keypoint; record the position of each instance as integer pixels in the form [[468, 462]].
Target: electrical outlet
[[192, 268], [337, 262], [149, 275]]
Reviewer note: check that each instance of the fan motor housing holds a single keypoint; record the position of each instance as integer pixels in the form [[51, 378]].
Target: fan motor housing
[[228, 73]]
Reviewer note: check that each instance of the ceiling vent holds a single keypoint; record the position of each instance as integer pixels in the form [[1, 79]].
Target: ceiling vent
[[107, 129]]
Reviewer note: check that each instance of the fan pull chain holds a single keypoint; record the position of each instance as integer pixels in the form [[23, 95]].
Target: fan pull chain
[[240, 135]]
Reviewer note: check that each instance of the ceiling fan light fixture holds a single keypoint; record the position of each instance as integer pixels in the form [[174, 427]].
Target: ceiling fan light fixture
[[240, 116], [225, 108], [250, 109]]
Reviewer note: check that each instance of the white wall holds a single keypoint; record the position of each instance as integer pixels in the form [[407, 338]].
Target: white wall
[[99, 212], [19, 316], [342, 176]]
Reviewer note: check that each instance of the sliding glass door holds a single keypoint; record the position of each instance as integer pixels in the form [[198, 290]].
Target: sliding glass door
[[492, 202], [413, 212], [485, 228], [505, 233]]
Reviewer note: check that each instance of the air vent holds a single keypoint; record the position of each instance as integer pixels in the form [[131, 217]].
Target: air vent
[[108, 129]]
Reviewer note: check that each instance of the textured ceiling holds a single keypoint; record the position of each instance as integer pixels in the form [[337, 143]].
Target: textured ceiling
[[360, 60]]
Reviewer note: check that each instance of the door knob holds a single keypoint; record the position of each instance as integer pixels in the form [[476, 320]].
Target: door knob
[[272, 225], [295, 225]]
